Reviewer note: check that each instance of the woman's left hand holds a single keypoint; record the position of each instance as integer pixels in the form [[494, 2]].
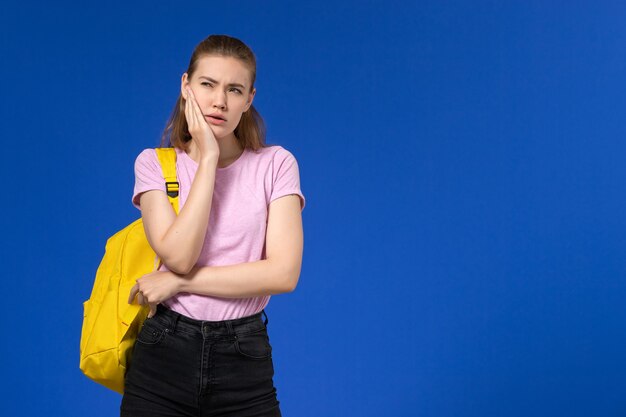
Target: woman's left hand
[[153, 288]]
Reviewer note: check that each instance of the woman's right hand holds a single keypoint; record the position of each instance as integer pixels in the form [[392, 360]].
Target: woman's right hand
[[199, 128]]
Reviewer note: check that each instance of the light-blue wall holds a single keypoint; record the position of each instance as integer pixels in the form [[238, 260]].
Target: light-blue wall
[[463, 164]]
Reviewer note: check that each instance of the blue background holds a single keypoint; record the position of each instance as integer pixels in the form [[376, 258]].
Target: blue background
[[463, 164]]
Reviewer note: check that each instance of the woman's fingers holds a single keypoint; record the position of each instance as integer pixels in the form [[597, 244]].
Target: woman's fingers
[[188, 110], [196, 114], [199, 128], [192, 118], [133, 292], [195, 106], [153, 308], [141, 299]]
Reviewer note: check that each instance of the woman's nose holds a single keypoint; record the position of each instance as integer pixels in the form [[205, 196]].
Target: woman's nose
[[219, 100]]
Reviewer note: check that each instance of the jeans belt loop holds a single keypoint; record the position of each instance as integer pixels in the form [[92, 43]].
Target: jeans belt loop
[[174, 321], [229, 325]]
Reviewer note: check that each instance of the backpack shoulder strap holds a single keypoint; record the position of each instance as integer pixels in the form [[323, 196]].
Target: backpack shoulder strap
[[167, 158]]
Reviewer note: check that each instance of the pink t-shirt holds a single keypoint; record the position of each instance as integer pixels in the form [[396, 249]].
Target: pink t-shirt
[[237, 222]]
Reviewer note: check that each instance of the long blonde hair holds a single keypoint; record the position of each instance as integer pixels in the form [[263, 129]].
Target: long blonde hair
[[250, 132]]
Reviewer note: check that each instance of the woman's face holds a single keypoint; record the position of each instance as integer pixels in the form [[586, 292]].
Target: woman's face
[[220, 85]]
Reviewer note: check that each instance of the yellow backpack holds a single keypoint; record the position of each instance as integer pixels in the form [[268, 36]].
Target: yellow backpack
[[110, 324]]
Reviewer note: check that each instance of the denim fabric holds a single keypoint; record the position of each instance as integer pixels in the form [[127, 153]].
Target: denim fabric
[[186, 367]]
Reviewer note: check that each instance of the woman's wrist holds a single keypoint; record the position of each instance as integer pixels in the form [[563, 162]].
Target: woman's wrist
[[182, 280], [210, 160]]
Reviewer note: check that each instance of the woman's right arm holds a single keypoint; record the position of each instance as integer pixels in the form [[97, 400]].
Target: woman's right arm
[[178, 240]]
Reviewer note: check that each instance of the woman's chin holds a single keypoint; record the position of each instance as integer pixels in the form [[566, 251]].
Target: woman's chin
[[220, 134]]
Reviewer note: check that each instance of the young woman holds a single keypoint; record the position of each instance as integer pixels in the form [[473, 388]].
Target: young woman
[[204, 348]]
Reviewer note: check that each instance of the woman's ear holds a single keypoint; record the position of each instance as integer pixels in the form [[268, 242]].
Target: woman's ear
[[183, 85], [250, 98]]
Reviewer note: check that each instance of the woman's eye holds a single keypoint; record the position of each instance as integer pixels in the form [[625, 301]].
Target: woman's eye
[[234, 89]]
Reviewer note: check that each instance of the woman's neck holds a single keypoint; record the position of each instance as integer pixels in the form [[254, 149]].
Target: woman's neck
[[230, 150]]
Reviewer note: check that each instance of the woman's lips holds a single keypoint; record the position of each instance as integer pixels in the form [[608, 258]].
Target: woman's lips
[[215, 120]]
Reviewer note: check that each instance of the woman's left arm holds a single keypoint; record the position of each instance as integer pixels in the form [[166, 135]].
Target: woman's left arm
[[278, 273]]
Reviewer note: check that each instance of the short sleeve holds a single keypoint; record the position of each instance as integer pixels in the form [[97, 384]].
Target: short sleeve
[[286, 176], [148, 174]]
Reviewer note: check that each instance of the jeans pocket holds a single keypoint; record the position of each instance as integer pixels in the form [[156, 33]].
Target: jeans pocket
[[255, 345], [152, 332]]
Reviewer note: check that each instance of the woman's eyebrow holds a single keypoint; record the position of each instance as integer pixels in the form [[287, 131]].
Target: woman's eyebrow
[[230, 85]]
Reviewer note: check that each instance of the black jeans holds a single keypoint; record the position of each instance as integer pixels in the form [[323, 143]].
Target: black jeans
[[186, 367]]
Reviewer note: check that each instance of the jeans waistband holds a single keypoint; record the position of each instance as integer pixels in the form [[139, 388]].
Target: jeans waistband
[[241, 325]]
